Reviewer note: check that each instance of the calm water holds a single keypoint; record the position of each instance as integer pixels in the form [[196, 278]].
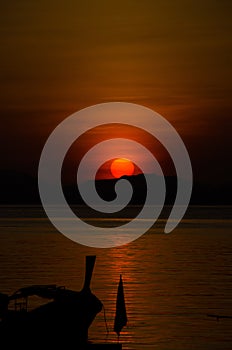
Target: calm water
[[171, 282]]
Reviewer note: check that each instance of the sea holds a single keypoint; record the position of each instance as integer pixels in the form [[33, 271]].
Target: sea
[[173, 283]]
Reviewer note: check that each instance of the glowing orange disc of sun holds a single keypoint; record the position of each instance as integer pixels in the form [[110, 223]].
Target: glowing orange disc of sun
[[122, 166]]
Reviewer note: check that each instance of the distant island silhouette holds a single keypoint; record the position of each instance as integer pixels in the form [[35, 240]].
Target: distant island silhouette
[[21, 188]]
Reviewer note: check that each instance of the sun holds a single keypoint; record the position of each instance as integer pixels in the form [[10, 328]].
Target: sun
[[122, 166]]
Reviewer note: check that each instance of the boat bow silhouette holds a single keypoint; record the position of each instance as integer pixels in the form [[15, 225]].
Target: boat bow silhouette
[[64, 320]]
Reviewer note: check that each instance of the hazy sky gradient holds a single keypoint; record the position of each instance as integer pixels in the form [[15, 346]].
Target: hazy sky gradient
[[172, 56]]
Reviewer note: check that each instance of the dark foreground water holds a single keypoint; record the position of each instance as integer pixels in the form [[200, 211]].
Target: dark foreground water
[[171, 281]]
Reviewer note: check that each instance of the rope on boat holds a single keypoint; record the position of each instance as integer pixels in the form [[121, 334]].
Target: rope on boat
[[107, 329]]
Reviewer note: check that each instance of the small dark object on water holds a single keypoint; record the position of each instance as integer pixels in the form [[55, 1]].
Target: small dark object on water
[[218, 316]]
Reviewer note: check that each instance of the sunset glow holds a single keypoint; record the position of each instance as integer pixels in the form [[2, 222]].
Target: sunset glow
[[121, 166]]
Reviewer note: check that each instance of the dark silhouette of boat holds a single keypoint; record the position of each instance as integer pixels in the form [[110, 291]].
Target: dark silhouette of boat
[[62, 322]]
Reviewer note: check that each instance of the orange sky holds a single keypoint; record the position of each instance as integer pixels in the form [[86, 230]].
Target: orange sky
[[174, 57]]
